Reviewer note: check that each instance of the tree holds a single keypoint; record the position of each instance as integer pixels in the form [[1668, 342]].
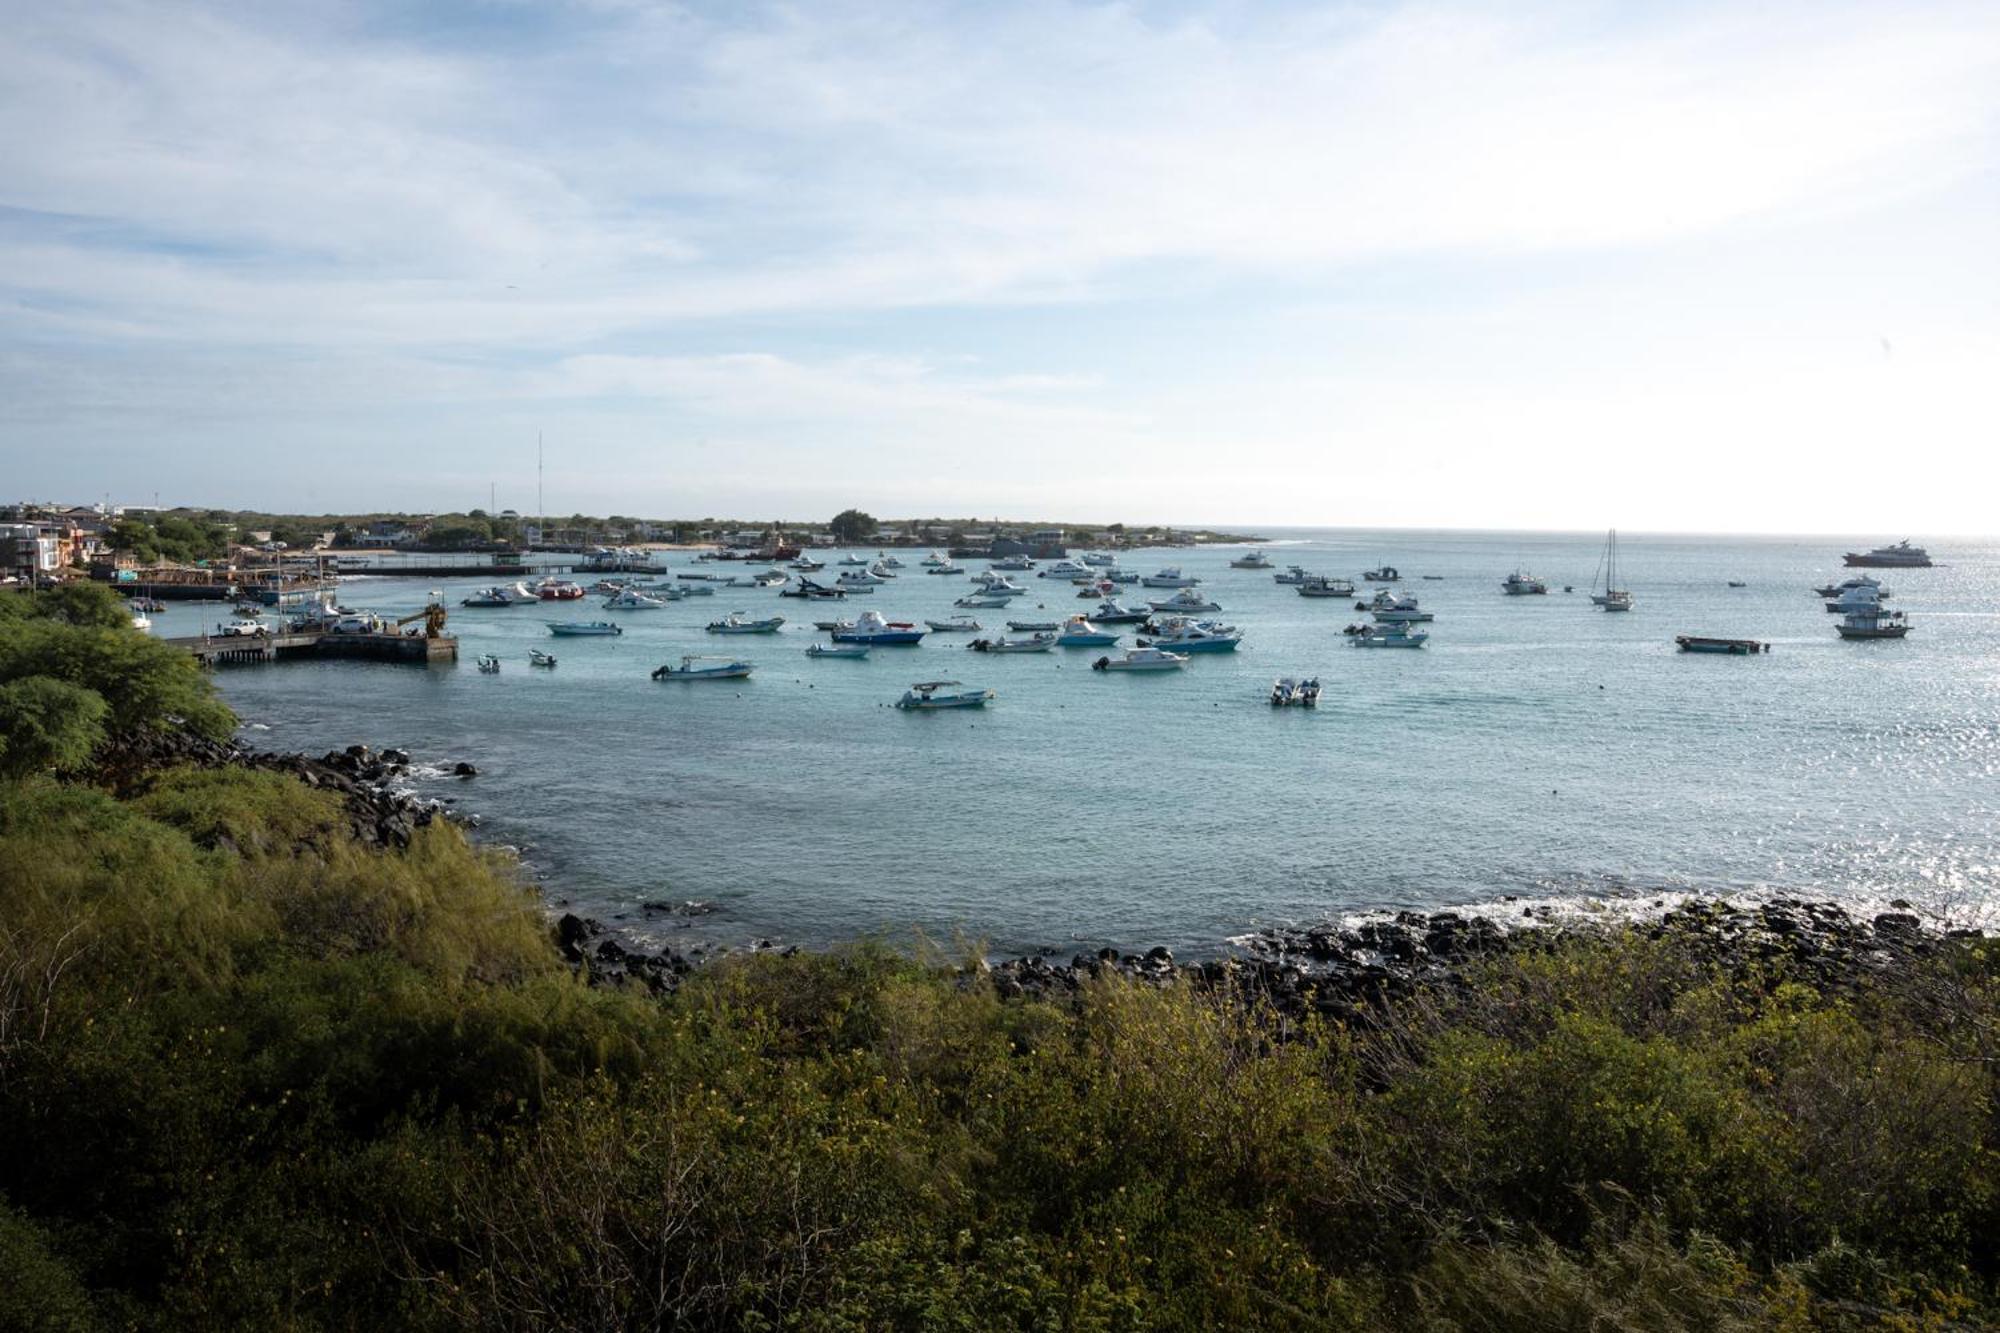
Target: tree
[[46, 723], [852, 525]]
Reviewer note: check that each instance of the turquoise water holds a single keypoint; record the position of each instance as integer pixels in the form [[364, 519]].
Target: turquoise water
[[1536, 748]]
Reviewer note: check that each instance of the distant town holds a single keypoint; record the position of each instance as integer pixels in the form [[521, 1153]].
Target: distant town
[[48, 541]]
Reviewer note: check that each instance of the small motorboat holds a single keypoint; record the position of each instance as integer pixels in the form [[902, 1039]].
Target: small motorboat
[[1738, 583], [576, 629], [738, 623], [1099, 559], [946, 568], [929, 696], [1519, 584], [998, 585], [558, 590], [805, 564], [1110, 612], [1067, 569], [881, 569], [1034, 626], [1253, 560], [1170, 577], [1433, 578], [982, 601], [1293, 574], [1289, 693], [489, 597], [630, 599], [816, 592], [140, 622], [871, 628], [1388, 609], [887, 561], [536, 657], [1695, 643], [1859, 581], [1321, 586], [1182, 635], [956, 625], [1395, 635], [1014, 563], [1122, 576], [1142, 659], [1034, 643], [1185, 602], [691, 669], [858, 581], [489, 664], [935, 559], [1385, 574], [854, 561], [844, 650], [1078, 632]]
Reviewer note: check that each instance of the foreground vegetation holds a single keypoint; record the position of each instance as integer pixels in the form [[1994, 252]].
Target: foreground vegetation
[[255, 1075]]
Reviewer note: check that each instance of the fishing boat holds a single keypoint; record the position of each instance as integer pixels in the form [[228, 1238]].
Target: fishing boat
[[1034, 643], [738, 623], [1696, 643], [1873, 623], [1185, 602], [1519, 584], [1385, 574], [576, 629], [536, 657], [1390, 609], [1902, 555], [1397, 635], [489, 665], [1170, 577], [1289, 693], [1122, 576], [956, 625], [150, 605], [631, 599], [928, 696], [1613, 597], [1111, 612], [1318, 585], [1251, 560], [1078, 632], [871, 628], [843, 650], [690, 669], [1293, 574], [1192, 636], [1142, 659]]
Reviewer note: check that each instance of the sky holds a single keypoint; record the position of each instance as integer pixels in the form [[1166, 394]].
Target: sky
[[1690, 267]]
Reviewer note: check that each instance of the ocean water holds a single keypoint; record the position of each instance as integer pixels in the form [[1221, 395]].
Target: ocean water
[[1537, 749]]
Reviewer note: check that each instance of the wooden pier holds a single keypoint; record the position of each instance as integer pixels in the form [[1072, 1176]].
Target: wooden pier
[[216, 649]]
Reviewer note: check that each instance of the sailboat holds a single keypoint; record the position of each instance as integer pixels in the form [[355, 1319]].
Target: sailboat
[[1613, 598]]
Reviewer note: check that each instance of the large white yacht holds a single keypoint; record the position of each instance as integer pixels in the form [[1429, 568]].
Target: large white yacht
[[1170, 577], [1902, 555]]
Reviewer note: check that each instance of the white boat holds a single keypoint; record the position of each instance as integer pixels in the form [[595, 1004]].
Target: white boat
[[1034, 626], [141, 622], [1519, 584], [871, 628], [936, 559], [1170, 577], [947, 568], [1078, 632], [998, 585], [805, 564], [578, 629], [882, 570], [1383, 574], [859, 580], [929, 696], [1142, 659], [1185, 602], [1112, 612], [1099, 559], [1397, 635], [536, 657], [1858, 581], [690, 670], [1861, 598], [1253, 560], [738, 623], [1874, 623], [1013, 563], [1902, 555], [857, 561], [630, 599], [520, 594], [1318, 585], [490, 597], [1289, 693], [1293, 574], [1067, 569], [1034, 643], [1193, 636], [984, 601], [847, 650], [887, 561], [489, 664], [1389, 610], [956, 625], [1613, 597]]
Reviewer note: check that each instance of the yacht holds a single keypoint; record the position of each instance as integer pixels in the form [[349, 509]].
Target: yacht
[[1385, 574], [1294, 574], [1900, 556], [558, 590], [1518, 584], [1397, 635], [870, 628], [1398, 611], [632, 600], [1142, 659], [1318, 585], [1077, 632], [1111, 612], [1863, 598], [934, 559], [1185, 602], [488, 597], [1034, 643], [1099, 559], [1613, 597], [811, 591], [1170, 577], [956, 625], [929, 696], [887, 561], [1066, 569], [1013, 563], [1859, 581], [141, 621], [843, 650], [738, 623], [881, 569], [1122, 576], [578, 629], [1873, 623], [1289, 693], [1251, 560], [857, 561], [1193, 636], [998, 585], [805, 564], [983, 601], [691, 669], [858, 580]]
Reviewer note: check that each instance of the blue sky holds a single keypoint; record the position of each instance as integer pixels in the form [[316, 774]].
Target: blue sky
[[1673, 267]]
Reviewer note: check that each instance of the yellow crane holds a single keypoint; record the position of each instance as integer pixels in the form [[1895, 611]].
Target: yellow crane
[[433, 618]]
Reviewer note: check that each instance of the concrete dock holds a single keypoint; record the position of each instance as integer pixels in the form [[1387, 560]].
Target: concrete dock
[[214, 649]]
